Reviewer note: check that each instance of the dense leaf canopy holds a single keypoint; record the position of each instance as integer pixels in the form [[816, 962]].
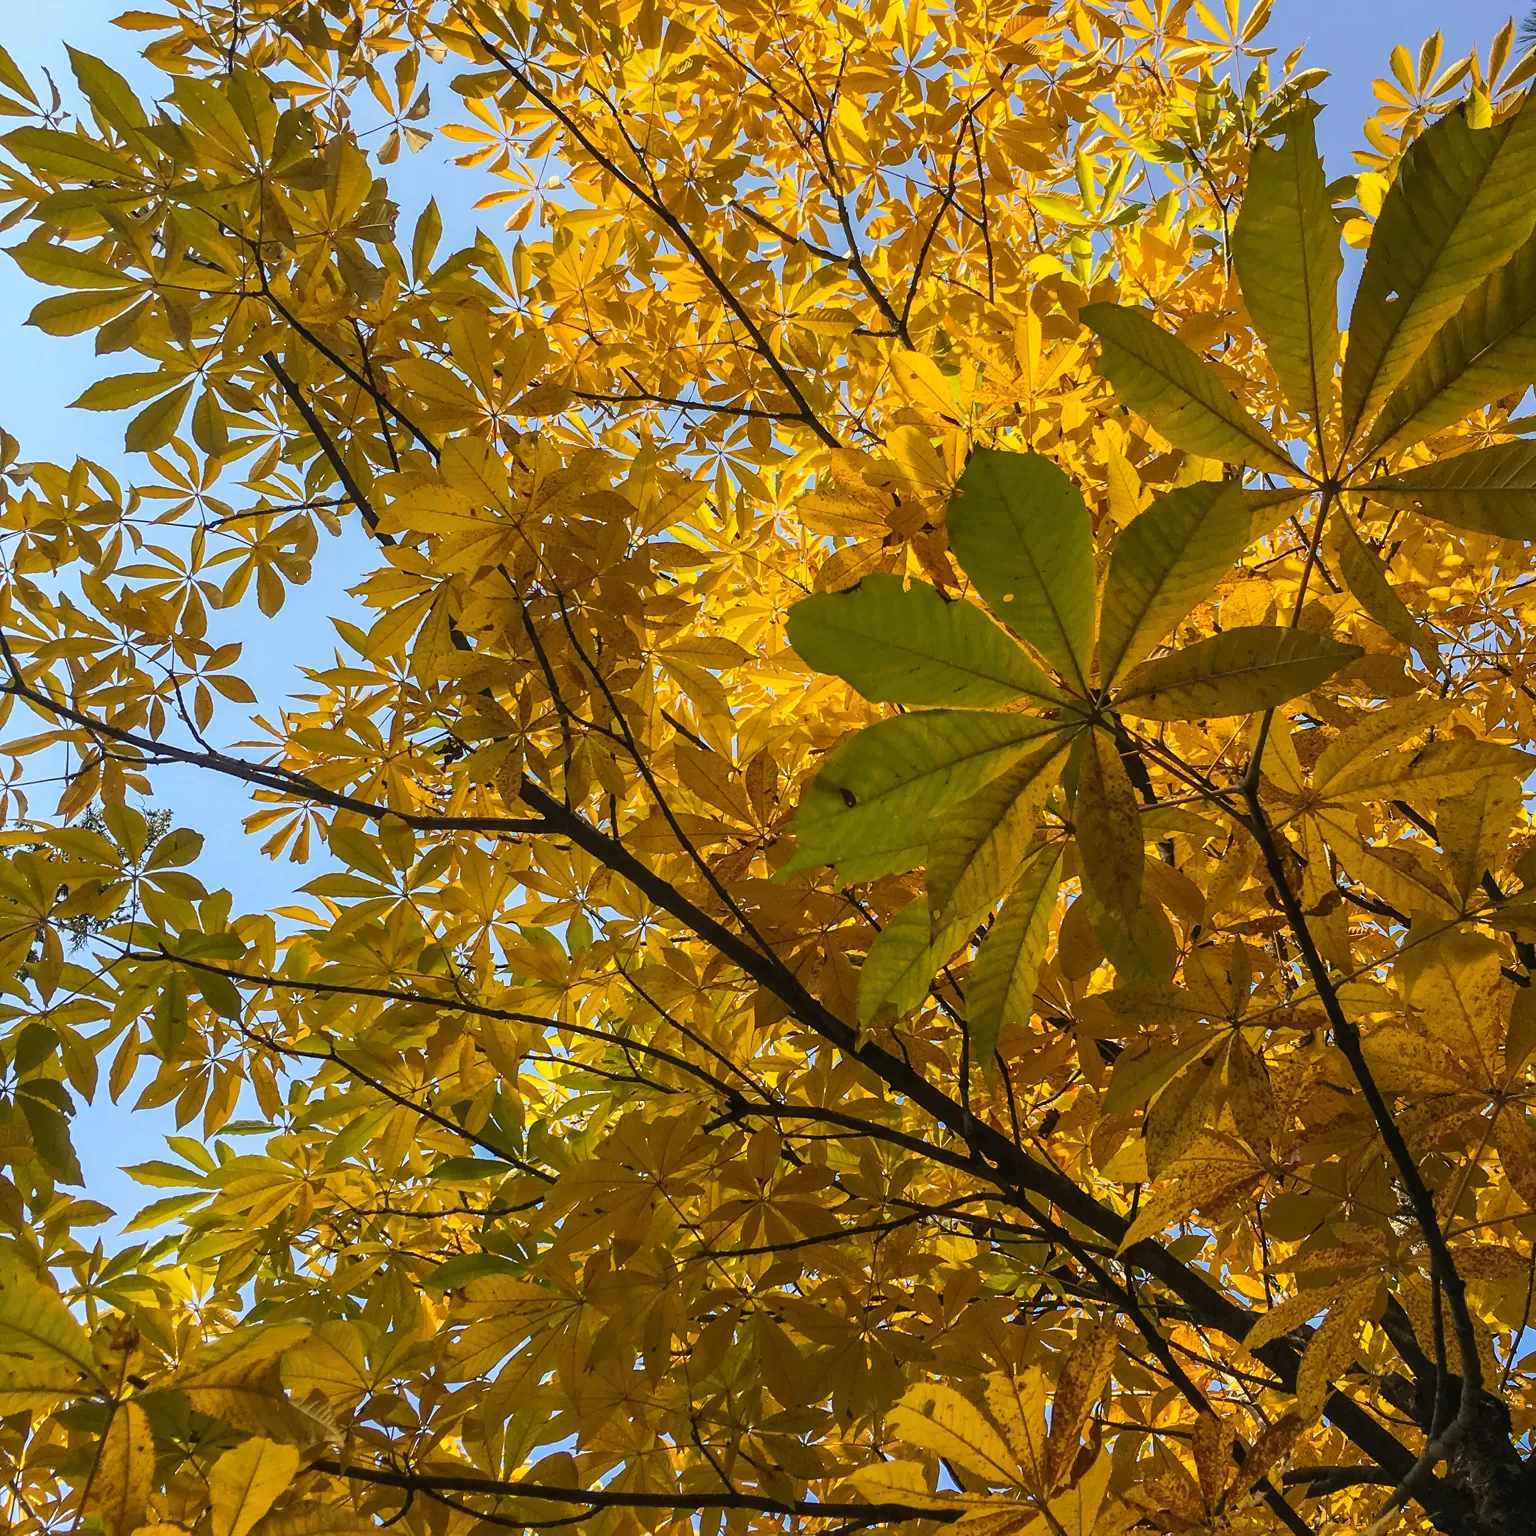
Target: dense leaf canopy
[[925, 912]]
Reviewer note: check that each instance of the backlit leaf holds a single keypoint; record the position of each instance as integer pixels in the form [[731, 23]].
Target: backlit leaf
[[1491, 490], [1178, 391], [1236, 672], [1285, 246], [869, 809], [1001, 986], [1167, 561], [909, 645], [1463, 202], [1020, 531]]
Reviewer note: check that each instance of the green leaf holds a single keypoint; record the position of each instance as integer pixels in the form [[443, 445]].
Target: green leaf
[[1233, 673], [870, 809], [1167, 561], [910, 646], [1491, 490], [1107, 820], [1485, 351], [1021, 531], [1367, 579], [1178, 392], [156, 424], [1463, 202], [1001, 984], [904, 959], [976, 850], [1286, 250]]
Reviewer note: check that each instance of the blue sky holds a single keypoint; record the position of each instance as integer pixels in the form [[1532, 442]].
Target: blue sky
[[41, 375]]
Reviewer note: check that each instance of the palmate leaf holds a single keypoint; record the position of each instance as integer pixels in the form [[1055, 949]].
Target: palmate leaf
[[1180, 393], [1487, 350], [244, 1483], [1464, 201], [1365, 576], [1107, 820], [869, 810], [905, 958], [1166, 562], [1001, 985], [1236, 672], [977, 846], [1491, 490], [35, 1321], [1021, 532], [909, 645], [1286, 249], [125, 1470]]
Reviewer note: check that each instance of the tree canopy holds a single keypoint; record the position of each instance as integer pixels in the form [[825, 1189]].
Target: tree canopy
[[927, 913]]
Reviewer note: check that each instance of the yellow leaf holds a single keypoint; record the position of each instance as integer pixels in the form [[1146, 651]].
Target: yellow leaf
[[920, 379], [934, 1417], [125, 1470], [1516, 1144], [895, 1482], [1079, 1383], [1289, 1314], [245, 1481], [1017, 1405], [1331, 1350]]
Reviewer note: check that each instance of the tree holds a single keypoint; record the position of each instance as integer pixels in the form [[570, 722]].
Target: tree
[[930, 915]]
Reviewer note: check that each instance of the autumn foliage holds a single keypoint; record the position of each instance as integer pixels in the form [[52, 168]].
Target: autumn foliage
[[919, 907]]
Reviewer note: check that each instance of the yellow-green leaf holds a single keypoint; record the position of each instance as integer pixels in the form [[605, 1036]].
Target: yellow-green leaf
[[909, 645], [1463, 202], [976, 848], [1369, 737], [156, 424], [1365, 576], [1107, 821], [1000, 987], [1474, 828], [1438, 768], [61, 266], [870, 809], [1021, 532], [1234, 673], [35, 1321], [126, 389], [1485, 351], [904, 959], [1285, 246], [1166, 562], [1180, 393], [1491, 490]]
